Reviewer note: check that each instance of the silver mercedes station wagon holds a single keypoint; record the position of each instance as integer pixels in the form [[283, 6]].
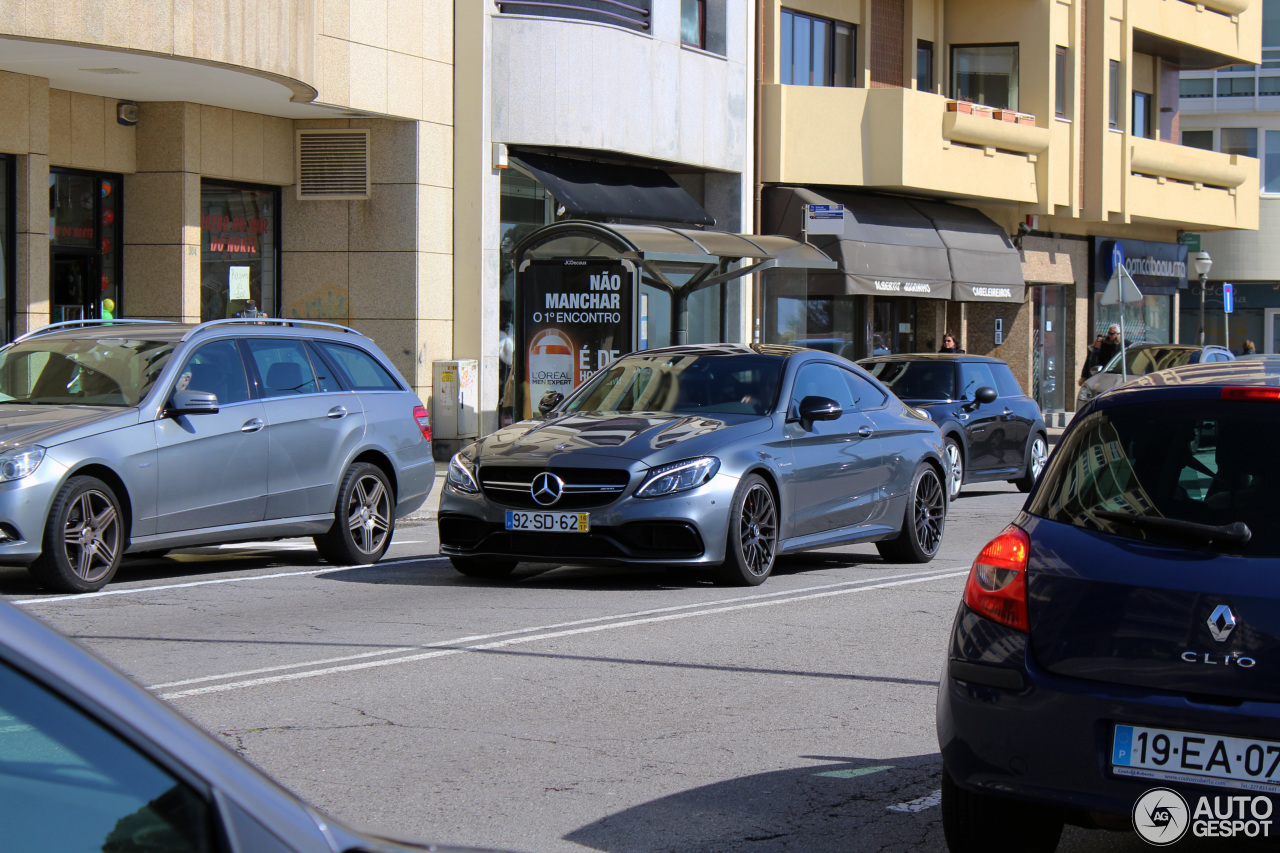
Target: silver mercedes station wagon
[[716, 455], [134, 436]]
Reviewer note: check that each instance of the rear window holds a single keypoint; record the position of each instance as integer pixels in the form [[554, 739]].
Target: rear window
[[362, 371], [1206, 462], [916, 380]]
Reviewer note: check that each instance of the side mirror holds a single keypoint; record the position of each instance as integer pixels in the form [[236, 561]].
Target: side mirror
[[1095, 370], [985, 394], [549, 401], [192, 403], [819, 409]]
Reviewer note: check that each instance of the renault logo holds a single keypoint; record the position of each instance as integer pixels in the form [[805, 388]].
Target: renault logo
[[1221, 622], [547, 488]]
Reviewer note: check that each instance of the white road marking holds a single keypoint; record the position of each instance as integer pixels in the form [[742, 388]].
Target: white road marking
[[449, 649], [919, 804]]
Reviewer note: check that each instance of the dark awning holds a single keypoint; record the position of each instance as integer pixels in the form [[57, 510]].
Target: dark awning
[[607, 191], [894, 246]]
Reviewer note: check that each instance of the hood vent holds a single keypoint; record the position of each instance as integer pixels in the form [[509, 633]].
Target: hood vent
[[333, 164]]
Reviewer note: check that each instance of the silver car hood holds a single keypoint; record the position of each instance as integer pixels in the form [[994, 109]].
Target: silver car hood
[[653, 436], [48, 426]]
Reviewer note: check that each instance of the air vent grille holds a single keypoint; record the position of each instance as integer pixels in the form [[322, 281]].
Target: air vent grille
[[333, 164]]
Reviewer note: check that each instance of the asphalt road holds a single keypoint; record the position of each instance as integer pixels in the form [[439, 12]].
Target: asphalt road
[[567, 709]]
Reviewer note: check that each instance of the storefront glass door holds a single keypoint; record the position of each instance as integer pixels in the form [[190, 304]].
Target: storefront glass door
[[84, 246], [1049, 348]]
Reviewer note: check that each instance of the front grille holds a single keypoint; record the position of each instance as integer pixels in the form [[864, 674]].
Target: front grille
[[643, 539], [584, 488], [463, 531]]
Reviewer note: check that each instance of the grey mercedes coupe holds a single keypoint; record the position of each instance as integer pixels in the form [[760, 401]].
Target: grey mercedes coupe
[[720, 456]]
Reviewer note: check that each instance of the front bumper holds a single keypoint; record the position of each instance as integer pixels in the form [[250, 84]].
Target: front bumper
[[685, 528], [1009, 728]]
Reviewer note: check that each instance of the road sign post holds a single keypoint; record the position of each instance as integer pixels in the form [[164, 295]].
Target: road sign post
[[1228, 305], [1121, 290]]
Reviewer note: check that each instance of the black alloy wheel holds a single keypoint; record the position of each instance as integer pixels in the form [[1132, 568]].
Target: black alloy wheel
[[923, 521], [752, 545], [83, 538], [364, 518]]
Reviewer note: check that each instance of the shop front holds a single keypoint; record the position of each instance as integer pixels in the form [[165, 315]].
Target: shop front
[[85, 239], [1255, 316], [240, 250], [1159, 270]]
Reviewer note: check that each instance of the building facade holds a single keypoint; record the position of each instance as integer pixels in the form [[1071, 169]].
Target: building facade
[[172, 160], [1236, 110], [1057, 125]]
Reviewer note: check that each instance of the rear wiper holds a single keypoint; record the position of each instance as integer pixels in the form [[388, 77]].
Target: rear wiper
[[1235, 534]]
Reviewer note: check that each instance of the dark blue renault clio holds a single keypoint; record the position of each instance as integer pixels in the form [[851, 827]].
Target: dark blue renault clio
[[1123, 633]]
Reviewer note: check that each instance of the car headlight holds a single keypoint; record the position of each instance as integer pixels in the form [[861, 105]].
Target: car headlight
[[461, 476], [925, 412], [19, 463], [678, 477], [1086, 393]]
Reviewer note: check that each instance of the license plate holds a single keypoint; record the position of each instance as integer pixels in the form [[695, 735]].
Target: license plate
[[549, 522], [1195, 757]]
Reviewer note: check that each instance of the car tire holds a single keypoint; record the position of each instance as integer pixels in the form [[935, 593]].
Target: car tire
[[1037, 456], [955, 460], [490, 568], [83, 538], [923, 521], [979, 823], [364, 518], [751, 546]]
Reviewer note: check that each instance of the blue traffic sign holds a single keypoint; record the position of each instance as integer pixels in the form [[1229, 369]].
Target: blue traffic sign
[[1228, 297]]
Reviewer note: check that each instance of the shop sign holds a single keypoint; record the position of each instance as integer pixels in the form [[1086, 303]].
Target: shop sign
[[234, 235], [576, 316], [1157, 268], [872, 286]]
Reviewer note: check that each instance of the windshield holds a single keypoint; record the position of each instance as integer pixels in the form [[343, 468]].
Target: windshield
[[916, 380], [91, 372], [1213, 463], [1140, 362], [683, 384]]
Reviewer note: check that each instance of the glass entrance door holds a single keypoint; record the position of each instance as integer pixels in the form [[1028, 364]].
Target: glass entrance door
[[84, 245], [72, 296], [1049, 374]]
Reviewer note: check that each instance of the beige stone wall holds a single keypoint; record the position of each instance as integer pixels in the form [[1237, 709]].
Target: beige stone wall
[[25, 132]]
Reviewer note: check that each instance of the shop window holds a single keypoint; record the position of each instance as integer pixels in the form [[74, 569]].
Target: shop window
[[1239, 140], [924, 65], [986, 74], [240, 254], [817, 51], [1142, 116], [1061, 82], [1115, 109], [1195, 87], [1198, 139], [1235, 87], [85, 236], [1271, 163]]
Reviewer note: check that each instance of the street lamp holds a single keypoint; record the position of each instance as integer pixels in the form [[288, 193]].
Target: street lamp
[[1203, 265]]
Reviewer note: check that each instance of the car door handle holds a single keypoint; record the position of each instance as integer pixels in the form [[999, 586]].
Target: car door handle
[[865, 431], [252, 425], [338, 412]]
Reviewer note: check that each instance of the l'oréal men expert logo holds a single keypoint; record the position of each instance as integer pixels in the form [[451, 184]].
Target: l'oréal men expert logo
[[1160, 816]]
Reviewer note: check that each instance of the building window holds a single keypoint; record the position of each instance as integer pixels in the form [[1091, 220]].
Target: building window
[[1061, 82], [924, 65], [240, 252], [1238, 140], [1195, 87], [1268, 86], [1198, 139], [1271, 163], [1115, 114], [986, 74], [1142, 116], [85, 236], [1235, 87], [693, 23], [633, 14], [817, 51]]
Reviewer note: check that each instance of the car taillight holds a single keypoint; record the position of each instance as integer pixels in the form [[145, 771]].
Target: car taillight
[[997, 585], [1248, 393], [424, 421]]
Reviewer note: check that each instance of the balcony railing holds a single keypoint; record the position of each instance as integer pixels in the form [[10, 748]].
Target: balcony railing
[[1003, 130], [633, 14], [1191, 165]]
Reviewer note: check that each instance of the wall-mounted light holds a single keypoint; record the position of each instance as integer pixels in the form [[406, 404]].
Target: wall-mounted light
[[127, 113]]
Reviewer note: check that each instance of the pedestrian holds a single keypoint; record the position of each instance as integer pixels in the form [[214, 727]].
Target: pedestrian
[[1108, 349], [950, 345], [1248, 348]]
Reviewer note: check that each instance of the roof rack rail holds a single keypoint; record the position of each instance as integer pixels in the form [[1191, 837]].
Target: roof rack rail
[[69, 324], [270, 321]]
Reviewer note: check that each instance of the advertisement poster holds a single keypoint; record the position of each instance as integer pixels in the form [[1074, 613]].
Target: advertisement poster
[[576, 315]]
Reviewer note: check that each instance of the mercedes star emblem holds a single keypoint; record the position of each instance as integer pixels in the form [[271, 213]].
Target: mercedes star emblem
[[1221, 622], [547, 488]]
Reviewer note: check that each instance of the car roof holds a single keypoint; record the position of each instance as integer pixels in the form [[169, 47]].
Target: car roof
[[727, 349], [1196, 380], [932, 356], [160, 330]]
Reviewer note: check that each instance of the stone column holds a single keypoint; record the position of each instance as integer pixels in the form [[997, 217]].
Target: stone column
[[31, 285]]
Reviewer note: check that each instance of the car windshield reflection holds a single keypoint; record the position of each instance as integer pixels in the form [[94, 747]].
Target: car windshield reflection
[[102, 372], [683, 384]]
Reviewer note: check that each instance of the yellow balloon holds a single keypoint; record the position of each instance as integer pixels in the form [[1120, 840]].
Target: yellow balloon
[[109, 304]]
